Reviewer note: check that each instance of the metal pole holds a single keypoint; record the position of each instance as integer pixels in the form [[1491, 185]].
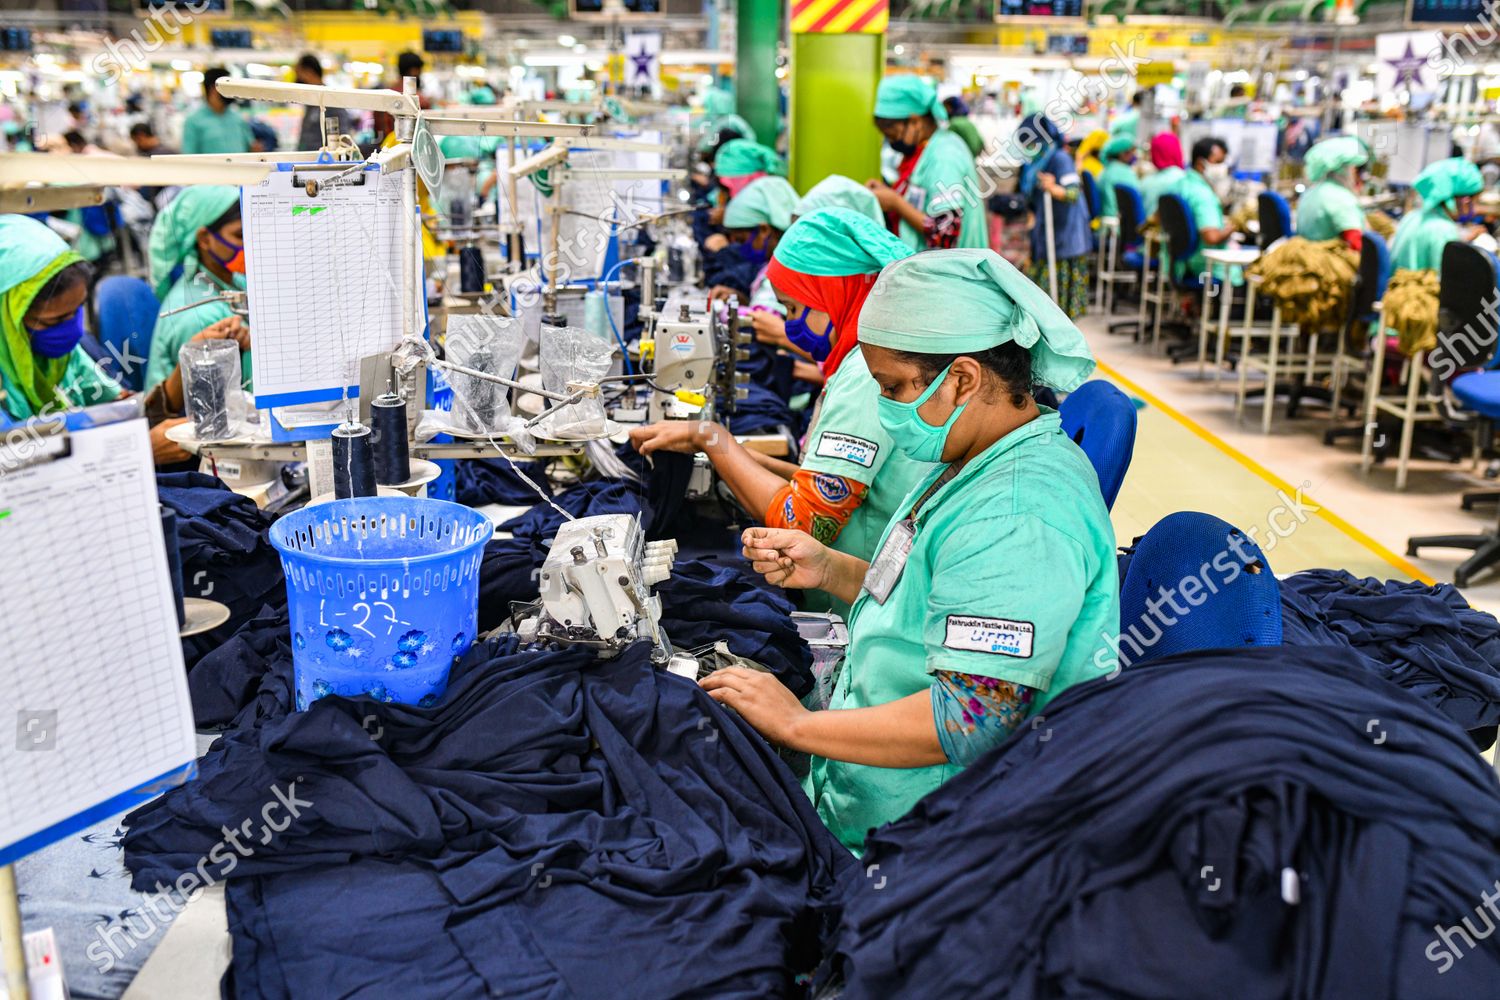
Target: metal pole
[[1051, 246], [515, 208], [11, 934], [411, 226]]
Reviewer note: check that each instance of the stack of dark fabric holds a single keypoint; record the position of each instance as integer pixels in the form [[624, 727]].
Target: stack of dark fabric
[[226, 556], [480, 481], [1258, 823], [1425, 638], [556, 826]]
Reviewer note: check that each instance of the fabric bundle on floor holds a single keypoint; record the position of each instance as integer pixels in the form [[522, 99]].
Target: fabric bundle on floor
[[1311, 281], [1144, 837], [1426, 639], [226, 556], [557, 826], [1411, 309]]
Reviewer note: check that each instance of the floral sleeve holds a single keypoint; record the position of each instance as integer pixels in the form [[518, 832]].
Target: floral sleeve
[[974, 714]]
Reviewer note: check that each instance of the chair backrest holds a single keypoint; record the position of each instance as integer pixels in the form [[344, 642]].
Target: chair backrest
[[1467, 309], [1275, 217], [1208, 567], [1132, 213], [1370, 280], [1179, 225], [1101, 419], [125, 309], [1090, 191]]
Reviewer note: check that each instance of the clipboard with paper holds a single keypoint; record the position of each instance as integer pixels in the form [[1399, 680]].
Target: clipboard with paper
[[101, 713]]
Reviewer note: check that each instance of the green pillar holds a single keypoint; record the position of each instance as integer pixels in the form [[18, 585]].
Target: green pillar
[[832, 107], [757, 30]]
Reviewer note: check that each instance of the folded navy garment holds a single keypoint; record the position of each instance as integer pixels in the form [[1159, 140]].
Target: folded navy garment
[[1258, 823], [481, 481], [248, 677], [606, 496], [1426, 639], [556, 826], [226, 555], [762, 411]]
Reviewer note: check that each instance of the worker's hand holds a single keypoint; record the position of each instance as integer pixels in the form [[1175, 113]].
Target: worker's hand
[[716, 215], [719, 293], [164, 452], [229, 328], [1473, 233], [787, 558], [686, 437], [715, 242], [760, 699], [769, 328], [807, 371], [884, 193]]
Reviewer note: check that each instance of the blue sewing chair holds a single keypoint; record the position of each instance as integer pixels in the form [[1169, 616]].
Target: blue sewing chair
[[1182, 242], [1275, 217], [1466, 312], [1238, 598], [125, 310], [1124, 262], [1101, 420]]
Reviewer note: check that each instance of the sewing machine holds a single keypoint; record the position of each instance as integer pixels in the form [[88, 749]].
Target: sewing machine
[[595, 589]]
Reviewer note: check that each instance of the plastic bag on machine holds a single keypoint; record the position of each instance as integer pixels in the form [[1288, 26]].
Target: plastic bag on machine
[[489, 344], [573, 354]]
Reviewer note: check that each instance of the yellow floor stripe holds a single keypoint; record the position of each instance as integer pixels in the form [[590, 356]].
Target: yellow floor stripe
[[1402, 564]]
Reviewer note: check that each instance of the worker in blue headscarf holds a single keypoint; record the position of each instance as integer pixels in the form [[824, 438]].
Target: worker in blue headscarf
[[1048, 171], [1329, 208], [993, 588], [935, 200], [197, 250], [1445, 188]]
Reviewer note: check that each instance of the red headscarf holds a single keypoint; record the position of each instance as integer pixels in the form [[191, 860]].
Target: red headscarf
[[1166, 151], [839, 296]]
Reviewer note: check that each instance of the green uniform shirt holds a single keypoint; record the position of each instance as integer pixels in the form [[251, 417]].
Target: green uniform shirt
[[1115, 172], [1160, 183], [207, 131], [968, 132], [173, 331], [1327, 209], [83, 383], [1420, 238], [1204, 206], [1011, 575], [944, 181], [846, 440]]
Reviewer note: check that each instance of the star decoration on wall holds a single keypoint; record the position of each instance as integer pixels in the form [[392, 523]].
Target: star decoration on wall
[[1408, 69]]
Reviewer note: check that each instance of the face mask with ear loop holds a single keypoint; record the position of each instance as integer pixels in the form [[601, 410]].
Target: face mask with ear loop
[[819, 345], [913, 436], [235, 262]]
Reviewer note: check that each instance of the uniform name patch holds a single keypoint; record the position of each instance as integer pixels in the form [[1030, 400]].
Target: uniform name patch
[[847, 447], [990, 635]]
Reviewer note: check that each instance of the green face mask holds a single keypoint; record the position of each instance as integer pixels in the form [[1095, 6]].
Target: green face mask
[[913, 436]]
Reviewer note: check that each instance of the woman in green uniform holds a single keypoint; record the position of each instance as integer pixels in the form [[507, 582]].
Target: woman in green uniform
[[995, 588], [1329, 208], [1119, 169], [935, 200], [198, 233], [852, 476], [1421, 235]]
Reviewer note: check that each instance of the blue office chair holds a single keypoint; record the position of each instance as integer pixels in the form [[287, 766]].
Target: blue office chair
[[1275, 217], [125, 311], [1238, 601], [1363, 320], [1132, 213], [1182, 243], [1101, 420], [1090, 192], [1466, 312]]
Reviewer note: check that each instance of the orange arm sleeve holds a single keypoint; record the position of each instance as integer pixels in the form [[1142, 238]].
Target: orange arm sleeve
[[817, 503]]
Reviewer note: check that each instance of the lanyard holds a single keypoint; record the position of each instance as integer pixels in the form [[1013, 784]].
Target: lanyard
[[889, 563]]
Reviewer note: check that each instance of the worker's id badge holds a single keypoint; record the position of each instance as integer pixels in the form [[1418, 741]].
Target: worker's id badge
[[916, 197], [883, 573]]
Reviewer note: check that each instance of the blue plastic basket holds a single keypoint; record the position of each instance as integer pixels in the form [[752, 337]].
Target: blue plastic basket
[[383, 594]]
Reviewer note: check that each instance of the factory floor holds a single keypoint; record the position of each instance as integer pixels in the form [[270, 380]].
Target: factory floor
[[1191, 454]]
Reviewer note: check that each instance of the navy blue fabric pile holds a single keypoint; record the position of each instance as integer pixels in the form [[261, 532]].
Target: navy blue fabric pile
[[1426, 639], [557, 826], [226, 556], [480, 481], [1135, 841]]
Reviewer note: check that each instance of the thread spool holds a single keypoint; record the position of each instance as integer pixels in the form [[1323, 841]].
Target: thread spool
[[483, 395], [388, 422], [470, 270], [353, 462], [174, 559]]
